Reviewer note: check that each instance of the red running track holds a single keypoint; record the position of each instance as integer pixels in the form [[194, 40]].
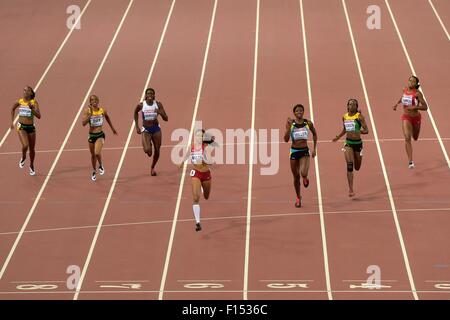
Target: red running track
[[140, 248]]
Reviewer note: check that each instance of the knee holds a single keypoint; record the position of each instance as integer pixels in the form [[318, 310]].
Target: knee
[[148, 151], [408, 139], [357, 167], [206, 195], [297, 177], [25, 147], [98, 154], [349, 166], [196, 199]]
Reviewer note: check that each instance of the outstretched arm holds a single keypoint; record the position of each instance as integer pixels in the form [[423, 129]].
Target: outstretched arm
[[339, 135]]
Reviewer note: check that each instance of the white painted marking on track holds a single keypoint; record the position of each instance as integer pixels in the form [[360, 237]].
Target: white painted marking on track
[[255, 216], [183, 174], [251, 156], [225, 144], [36, 87], [380, 154], [438, 135], [122, 158], [207, 280], [69, 132], [439, 19], [316, 163]]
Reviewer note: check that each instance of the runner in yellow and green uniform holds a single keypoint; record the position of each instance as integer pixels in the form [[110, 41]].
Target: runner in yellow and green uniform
[[28, 109], [94, 115], [354, 124]]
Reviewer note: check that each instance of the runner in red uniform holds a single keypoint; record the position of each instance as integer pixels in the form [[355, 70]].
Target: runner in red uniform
[[201, 159], [412, 101]]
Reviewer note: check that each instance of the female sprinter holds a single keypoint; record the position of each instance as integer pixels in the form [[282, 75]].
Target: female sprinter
[[412, 101], [151, 132], [297, 130], [354, 125], [201, 158], [28, 109], [94, 115]]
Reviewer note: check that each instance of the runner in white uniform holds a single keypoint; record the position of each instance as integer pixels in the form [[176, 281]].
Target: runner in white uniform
[[150, 130]]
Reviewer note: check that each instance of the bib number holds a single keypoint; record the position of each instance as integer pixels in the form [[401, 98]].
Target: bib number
[[349, 125], [300, 134], [407, 101], [24, 112], [96, 121], [192, 173]]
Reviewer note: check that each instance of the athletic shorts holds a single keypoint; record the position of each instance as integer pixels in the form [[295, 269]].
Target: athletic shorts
[[152, 129], [203, 176], [93, 137], [415, 121], [28, 128], [299, 153], [356, 145]]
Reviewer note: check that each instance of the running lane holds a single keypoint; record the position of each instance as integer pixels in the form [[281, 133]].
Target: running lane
[[214, 256], [70, 197], [429, 50], [422, 194], [285, 242], [31, 33], [360, 230], [131, 248]]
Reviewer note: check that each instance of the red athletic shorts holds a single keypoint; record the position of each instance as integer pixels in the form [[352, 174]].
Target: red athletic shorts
[[415, 121], [203, 176]]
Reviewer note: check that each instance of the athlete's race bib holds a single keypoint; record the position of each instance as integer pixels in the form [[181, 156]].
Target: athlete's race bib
[[96, 121], [300, 133], [349, 125], [25, 111], [196, 158], [192, 173], [407, 100], [150, 115]]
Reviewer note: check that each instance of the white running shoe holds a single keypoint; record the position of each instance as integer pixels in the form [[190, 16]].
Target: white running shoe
[[94, 176], [101, 170], [411, 165], [32, 172], [21, 163]]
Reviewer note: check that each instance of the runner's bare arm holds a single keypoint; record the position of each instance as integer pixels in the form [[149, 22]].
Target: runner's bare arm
[[287, 133], [314, 132], [136, 117], [108, 119], [13, 111], [86, 117], [365, 128], [35, 109], [422, 103], [161, 111]]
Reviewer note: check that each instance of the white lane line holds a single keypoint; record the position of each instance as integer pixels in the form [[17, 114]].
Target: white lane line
[[251, 155], [275, 280], [38, 281], [380, 154], [316, 164], [223, 144], [183, 174], [36, 87], [69, 132], [439, 19], [438, 135], [122, 158], [254, 216]]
